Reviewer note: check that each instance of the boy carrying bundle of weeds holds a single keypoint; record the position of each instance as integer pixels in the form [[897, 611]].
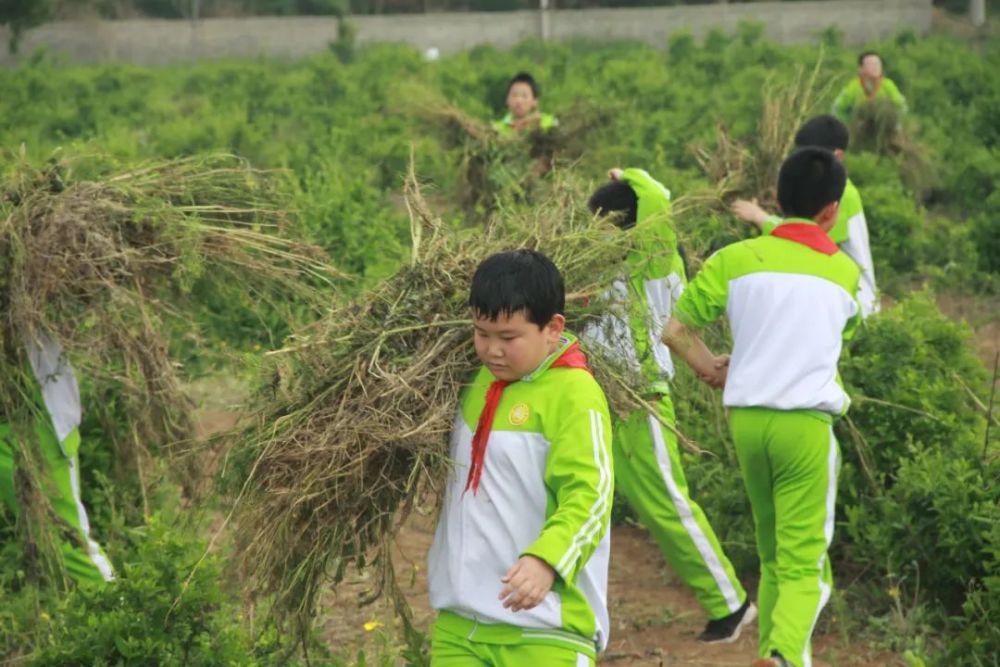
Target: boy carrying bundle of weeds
[[518, 569], [523, 114], [647, 458]]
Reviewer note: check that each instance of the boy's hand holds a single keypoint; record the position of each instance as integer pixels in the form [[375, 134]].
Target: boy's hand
[[749, 211], [527, 583], [717, 378], [616, 173]]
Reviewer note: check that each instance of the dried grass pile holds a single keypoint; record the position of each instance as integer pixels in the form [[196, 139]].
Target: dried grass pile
[[494, 167], [99, 264], [352, 432], [748, 169], [877, 127]]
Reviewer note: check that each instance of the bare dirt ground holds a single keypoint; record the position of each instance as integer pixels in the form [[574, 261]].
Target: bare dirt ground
[[982, 313]]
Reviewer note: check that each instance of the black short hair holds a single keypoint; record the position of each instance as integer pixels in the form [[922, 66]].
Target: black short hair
[[810, 179], [616, 197], [524, 77], [515, 281], [861, 58], [824, 131]]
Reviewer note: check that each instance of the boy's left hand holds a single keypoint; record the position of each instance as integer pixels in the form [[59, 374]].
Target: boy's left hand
[[527, 583]]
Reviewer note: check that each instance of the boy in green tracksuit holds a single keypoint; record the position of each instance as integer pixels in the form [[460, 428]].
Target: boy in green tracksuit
[[790, 300], [647, 459], [851, 230], [518, 569], [57, 436], [869, 84], [523, 93]]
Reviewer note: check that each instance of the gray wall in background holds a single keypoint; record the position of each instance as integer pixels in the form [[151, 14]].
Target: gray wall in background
[[156, 42]]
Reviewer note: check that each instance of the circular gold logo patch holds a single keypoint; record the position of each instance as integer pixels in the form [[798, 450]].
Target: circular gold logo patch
[[519, 414]]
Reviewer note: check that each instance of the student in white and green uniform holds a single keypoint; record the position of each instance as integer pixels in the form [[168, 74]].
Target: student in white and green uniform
[[790, 297], [56, 402], [648, 469], [518, 570], [871, 83], [523, 93], [851, 230]]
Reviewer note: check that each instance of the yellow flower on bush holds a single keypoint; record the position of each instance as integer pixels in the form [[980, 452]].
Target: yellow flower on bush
[[372, 625]]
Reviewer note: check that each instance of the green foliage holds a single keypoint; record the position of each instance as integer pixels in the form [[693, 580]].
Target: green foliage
[[168, 606], [911, 371], [918, 503]]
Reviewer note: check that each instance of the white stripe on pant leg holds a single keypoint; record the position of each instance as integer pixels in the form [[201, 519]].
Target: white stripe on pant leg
[[582, 660], [832, 460], [688, 520], [93, 550]]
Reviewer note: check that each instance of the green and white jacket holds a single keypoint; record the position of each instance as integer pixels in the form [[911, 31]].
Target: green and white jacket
[[546, 490], [790, 306], [642, 300], [851, 234]]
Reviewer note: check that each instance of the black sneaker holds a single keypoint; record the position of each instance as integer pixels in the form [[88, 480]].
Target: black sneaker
[[728, 628], [774, 661]]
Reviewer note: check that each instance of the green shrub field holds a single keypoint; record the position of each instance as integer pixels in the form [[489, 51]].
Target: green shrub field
[[917, 548]]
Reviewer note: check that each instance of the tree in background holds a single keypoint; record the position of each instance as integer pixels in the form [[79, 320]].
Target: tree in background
[[20, 15]]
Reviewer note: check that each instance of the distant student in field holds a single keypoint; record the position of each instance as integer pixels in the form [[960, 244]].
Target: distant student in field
[[869, 84], [790, 300], [522, 108], [851, 230], [647, 459], [518, 570]]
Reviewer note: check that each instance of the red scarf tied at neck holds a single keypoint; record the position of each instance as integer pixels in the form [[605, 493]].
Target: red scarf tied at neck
[[573, 357], [807, 234]]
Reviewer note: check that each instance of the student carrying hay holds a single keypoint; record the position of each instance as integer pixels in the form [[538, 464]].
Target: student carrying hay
[[92, 271], [518, 570]]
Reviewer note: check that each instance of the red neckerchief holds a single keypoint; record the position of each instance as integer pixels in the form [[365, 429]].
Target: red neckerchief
[[864, 88], [573, 357], [807, 234]]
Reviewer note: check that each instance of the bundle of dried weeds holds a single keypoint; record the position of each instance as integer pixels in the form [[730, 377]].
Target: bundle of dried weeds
[[495, 167], [353, 430], [95, 265], [877, 126], [749, 168]]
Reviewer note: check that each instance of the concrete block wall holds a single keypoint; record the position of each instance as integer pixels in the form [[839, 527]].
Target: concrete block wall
[[156, 42]]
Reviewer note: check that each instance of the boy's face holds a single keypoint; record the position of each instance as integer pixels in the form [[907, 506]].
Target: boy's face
[[521, 99], [513, 346], [871, 68]]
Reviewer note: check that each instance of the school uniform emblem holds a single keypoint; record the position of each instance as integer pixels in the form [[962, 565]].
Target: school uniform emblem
[[519, 414]]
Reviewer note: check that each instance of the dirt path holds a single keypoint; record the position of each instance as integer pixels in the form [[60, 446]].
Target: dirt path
[[654, 618]]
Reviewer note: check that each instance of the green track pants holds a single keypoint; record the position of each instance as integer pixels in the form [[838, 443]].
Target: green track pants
[[457, 641], [85, 561], [648, 473], [790, 461]]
